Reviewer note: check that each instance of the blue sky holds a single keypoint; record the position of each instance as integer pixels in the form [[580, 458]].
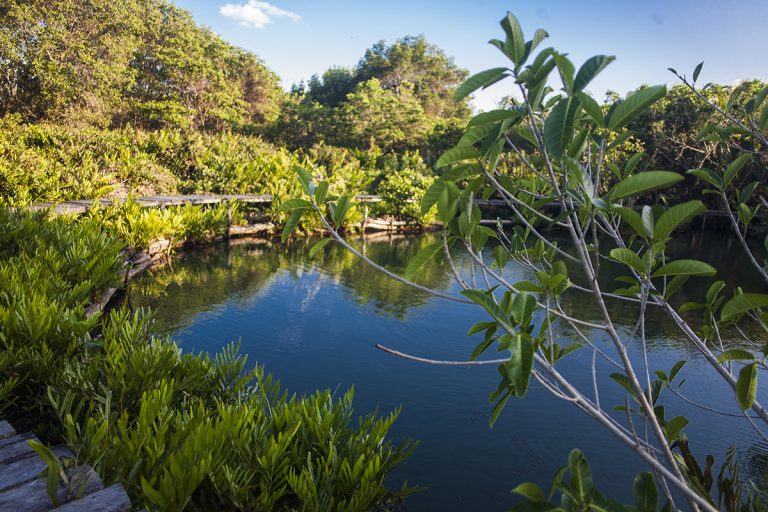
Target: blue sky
[[298, 38]]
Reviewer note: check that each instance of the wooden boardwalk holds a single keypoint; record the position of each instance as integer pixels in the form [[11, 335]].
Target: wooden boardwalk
[[82, 206], [23, 489]]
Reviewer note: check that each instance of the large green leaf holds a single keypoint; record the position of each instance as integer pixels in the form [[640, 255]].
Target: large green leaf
[[581, 475], [676, 216], [590, 70], [736, 354], [644, 182], [456, 154], [686, 268], [515, 44], [318, 247], [566, 70], [592, 108], [707, 175], [487, 302], [740, 304], [493, 116], [421, 259], [634, 219], [734, 167], [558, 128], [746, 386], [294, 204], [520, 363], [291, 223], [628, 109], [629, 258], [480, 80], [646, 495], [431, 196]]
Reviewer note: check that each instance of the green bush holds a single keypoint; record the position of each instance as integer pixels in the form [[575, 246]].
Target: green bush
[[178, 430]]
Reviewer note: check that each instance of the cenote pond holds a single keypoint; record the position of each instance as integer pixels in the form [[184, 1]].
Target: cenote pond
[[314, 323]]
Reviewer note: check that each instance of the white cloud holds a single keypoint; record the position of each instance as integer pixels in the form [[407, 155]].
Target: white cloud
[[255, 13]]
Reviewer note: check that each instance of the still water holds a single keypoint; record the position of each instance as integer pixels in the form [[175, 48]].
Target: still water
[[314, 323]]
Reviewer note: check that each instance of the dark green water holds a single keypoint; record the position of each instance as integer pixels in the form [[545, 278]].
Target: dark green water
[[313, 323]]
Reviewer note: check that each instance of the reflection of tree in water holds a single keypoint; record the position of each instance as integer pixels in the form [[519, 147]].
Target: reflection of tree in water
[[201, 280], [721, 250], [204, 279], [365, 285]]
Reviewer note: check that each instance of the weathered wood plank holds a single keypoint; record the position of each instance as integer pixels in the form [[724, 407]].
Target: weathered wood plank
[[32, 496], [26, 469], [6, 430], [111, 499], [15, 448]]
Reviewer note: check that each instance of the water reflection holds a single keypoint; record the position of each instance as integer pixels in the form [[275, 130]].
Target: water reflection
[[313, 323]]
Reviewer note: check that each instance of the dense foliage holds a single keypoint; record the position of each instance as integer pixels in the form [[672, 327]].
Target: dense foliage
[[143, 62], [178, 430]]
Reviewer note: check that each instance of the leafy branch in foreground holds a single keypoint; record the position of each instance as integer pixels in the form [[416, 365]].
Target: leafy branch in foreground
[[566, 143]]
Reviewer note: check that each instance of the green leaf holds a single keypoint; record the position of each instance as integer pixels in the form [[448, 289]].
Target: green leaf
[[480, 80], [421, 259], [632, 163], [646, 495], [304, 178], [343, 204], [734, 167], [644, 182], [685, 267], [493, 116], [558, 128], [515, 44], [676, 216], [590, 70], [675, 426], [318, 246], [538, 37], [321, 192], [520, 363], [291, 223], [736, 354], [431, 196], [581, 475], [457, 154], [486, 301], [592, 108], [740, 304], [634, 219], [637, 102], [746, 386], [697, 71], [707, 175], [628, 258], [498, 408], [480, 327], [294, 204], [530, 490], [566, 70]]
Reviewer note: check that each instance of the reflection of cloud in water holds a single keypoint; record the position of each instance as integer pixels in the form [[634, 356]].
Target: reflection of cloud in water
[[312, 291]]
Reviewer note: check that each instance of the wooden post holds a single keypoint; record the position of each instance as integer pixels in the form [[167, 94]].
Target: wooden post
[[229, 220]]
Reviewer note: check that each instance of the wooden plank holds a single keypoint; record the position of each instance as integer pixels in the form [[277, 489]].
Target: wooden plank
[[32, 496], [15, 448], [6, 430], [111, 499], [27, 469]]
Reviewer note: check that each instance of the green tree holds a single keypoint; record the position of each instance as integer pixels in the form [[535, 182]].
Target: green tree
[[377, 117]]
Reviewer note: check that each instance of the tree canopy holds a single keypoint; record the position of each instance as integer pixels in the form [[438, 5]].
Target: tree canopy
[[144, 62]]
